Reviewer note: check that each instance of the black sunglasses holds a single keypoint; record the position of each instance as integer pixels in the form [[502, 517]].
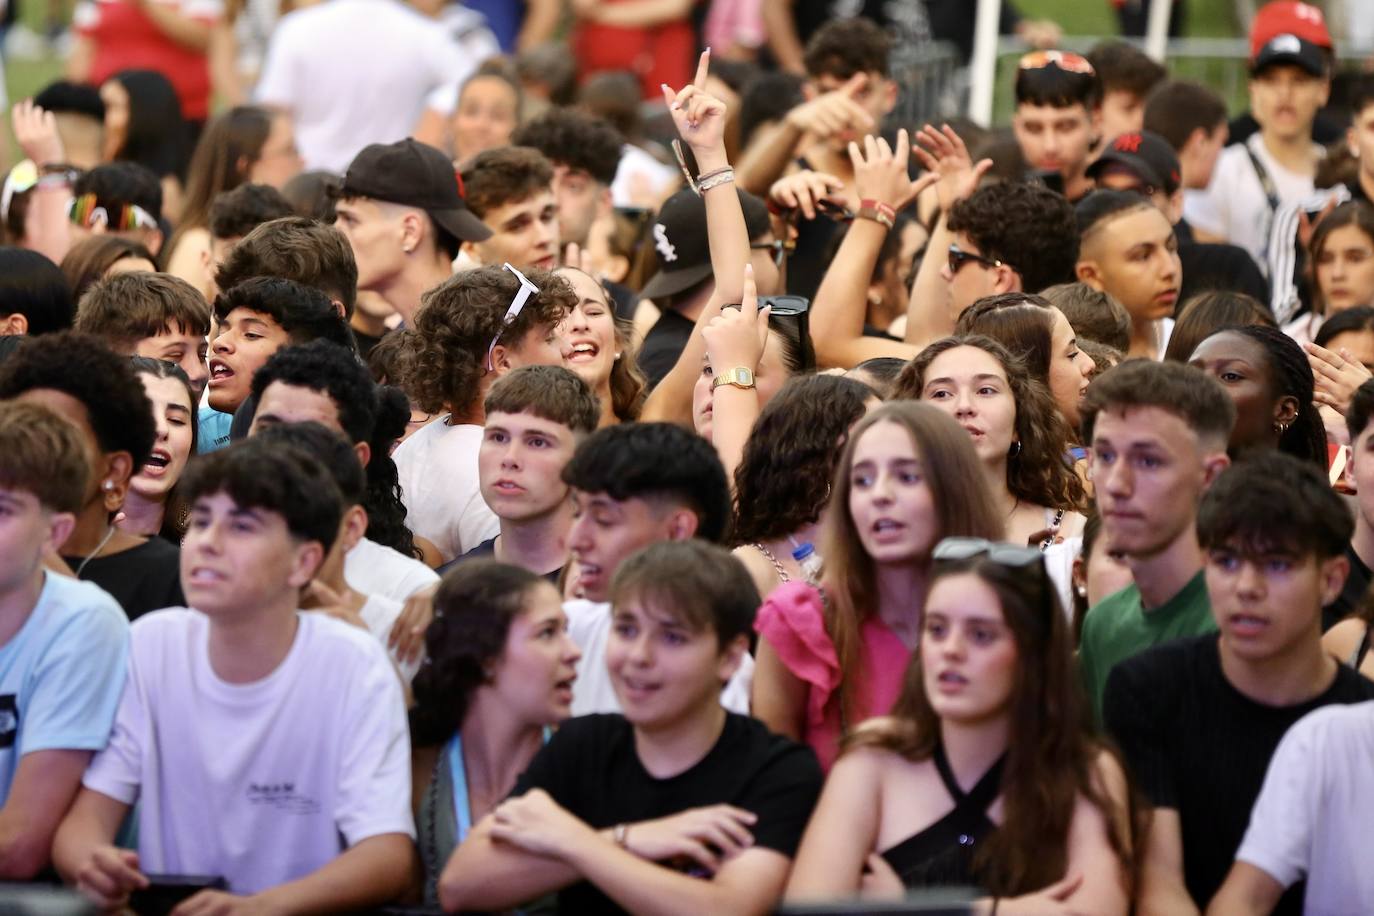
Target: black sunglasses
[[781, 248], [958, 257]]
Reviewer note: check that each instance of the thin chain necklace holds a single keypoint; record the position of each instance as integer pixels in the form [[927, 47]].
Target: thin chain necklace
[[109, 533]]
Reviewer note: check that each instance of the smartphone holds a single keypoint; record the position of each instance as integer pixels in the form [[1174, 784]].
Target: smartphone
[[165, 892]]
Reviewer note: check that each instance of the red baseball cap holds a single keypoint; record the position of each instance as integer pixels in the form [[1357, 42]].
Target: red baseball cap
[[1286, 17]]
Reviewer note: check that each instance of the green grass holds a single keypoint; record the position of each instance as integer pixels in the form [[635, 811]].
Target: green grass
[[1205, 18]]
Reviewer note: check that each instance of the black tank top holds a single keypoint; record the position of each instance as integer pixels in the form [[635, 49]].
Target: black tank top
[[942, 854]]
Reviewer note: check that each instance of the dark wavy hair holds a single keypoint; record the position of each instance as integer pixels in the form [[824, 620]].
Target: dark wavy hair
[[783, 479], [1038, 473], [1052, 757], [386, 513], [1029, 227], [82, 367], [446, 352], [474, 608]]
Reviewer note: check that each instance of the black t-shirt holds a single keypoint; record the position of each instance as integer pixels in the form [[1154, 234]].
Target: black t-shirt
[[623, 299], [664, 344], [146, 578], [590, 767], [487, 551], [1198, 745], [1208, 266], [1348, 601]]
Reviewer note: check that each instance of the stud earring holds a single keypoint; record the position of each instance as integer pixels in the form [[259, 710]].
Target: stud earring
[[108, 485]]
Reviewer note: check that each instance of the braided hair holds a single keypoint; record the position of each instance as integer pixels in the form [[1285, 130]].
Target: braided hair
[[1305, 438]]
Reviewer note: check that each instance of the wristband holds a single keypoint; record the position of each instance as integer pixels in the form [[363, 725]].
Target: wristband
[[714, 180], [877, 211]]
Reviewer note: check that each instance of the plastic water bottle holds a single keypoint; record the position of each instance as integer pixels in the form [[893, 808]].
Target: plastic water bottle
[[809, 561]]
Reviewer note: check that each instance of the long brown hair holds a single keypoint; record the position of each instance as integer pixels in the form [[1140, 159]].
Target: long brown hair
[[230, 143], [1039, 472], [963, 508], [1051, 756], [1355, 213]]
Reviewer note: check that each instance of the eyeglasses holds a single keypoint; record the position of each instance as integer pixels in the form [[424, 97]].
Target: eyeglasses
[[954, 550], [958, 257], [86, 211], [1064, 60], [517, 305], [780, 248]]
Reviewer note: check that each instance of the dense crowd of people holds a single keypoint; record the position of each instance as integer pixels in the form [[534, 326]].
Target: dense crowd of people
[[432, 483]]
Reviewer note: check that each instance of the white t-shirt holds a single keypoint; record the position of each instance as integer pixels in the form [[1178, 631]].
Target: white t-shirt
[[380, 613], [61, 674], [1312, 818], [640, 178], [375, 569], [1235, 206], [437, 469], [589, 625], [260, 783], [354, 72]]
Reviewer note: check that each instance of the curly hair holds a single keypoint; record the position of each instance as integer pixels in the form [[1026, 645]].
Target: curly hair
[[324, 366], [473, 611], [79, 365], [386, 513], [783, 479], [574, 139], [1025, 225], [446, 353], [844, 47], [1038, 473]]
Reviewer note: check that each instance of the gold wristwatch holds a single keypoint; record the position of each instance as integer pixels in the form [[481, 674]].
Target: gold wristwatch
[[740, 377]]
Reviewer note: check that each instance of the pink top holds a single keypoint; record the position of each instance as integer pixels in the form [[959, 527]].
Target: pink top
[[792, 620]]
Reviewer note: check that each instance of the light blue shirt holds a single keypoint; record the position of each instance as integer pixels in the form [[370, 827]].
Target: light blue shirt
[[212, 432], [62, 674]]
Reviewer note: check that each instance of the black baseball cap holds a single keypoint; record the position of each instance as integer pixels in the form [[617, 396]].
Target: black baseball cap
[[414, 174], [1146, 155], [681, 245], [1290, 49]]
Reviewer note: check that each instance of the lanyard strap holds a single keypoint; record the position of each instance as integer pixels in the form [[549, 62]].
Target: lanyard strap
[[1271, 192], [462, 808]]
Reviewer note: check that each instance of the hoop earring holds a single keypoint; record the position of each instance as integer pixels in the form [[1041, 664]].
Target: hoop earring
[[1015, 449]]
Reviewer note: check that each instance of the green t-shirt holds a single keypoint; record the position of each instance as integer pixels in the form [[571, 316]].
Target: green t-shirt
[[1118, 627]]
